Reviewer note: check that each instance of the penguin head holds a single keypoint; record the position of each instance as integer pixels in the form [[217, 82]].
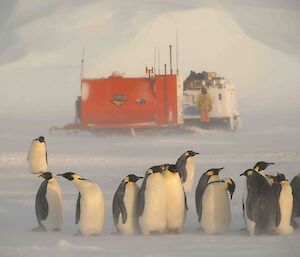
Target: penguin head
[[132, 178], [213, 172], [164, 166], [156, 169], [230, 186], [280, 177], [272, 179], [262, 165], [190, 153], [248, 173], [46, 175], [69, 175], [41, 139]]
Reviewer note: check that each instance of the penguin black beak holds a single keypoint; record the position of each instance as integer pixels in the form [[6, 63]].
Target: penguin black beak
[[140, 178], [67, 175], [271, 163], [218, 170], [243, 174]]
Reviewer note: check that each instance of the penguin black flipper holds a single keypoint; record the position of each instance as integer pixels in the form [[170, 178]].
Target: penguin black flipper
[[185, 202], [77, 218], [277, 190], [202, 184], [141, 198], [118, 204], [41, 204], [180, 164]]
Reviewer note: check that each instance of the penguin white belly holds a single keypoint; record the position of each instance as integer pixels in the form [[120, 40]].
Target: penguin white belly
[[55, 207], [92, 211], [250, 225], [153, 218], [216, 215], [131, 225], [37, 158], [190, 169], [286, 206], [175, 202]]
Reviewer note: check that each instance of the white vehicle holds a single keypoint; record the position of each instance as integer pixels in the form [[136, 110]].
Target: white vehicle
[[224, 104]]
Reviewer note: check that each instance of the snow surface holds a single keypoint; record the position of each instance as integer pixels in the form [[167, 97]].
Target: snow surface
[[106, 160]]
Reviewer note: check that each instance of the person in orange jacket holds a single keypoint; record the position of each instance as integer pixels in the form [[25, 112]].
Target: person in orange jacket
[[204, 105]]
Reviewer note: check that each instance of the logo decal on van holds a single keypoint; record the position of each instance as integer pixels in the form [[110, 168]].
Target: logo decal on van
[[119, 99]]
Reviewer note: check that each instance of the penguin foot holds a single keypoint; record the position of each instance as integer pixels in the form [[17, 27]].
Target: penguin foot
[[116, 233], [78, 234], [39, 229], [174, 231], [157, 232], [271, 233], [200, 229]]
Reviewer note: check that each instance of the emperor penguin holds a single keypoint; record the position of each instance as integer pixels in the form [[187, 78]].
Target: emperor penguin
[[124, 205], [258, 203], [295, 184], [176, 199], [208, 176], [90, 209], [216, 213], [37, 156], [49, 204], [186, 165], [261, 166], [284, 205], [152, 202]]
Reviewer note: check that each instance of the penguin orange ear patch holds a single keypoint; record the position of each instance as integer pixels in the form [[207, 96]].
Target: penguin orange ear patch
[[210, 173]]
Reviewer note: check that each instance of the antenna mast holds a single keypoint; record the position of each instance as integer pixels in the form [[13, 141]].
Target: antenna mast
[[158, 61], [82, 66], [177, 71], [154, 66]]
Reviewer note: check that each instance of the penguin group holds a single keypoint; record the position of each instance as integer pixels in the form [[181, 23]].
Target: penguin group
[[271, 205], [90, 207]]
